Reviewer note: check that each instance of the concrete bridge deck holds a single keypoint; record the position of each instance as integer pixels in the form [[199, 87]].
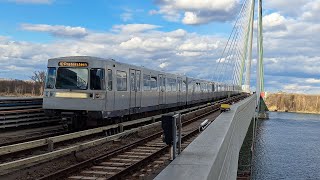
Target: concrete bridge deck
[[214, 153]]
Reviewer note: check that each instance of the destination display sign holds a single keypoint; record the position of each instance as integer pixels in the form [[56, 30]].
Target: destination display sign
[[73, 64]]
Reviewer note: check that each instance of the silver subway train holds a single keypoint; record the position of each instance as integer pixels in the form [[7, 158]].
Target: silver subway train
[[87, 90]]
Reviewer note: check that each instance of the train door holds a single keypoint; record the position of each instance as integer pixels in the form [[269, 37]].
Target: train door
[[110, 102], [193, 84], [162, 89], [179, 93], [135, 89]]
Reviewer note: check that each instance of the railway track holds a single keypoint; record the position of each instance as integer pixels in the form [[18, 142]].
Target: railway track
[[146, 154], [114, 132], [31, 134], [125, 161], [18, 113], [22, 112]]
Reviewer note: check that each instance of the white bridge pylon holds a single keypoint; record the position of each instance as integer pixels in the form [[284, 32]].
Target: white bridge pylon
[[234, 64]]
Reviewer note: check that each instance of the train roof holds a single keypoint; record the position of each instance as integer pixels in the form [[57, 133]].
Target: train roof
[[93, 59], [110, 60]]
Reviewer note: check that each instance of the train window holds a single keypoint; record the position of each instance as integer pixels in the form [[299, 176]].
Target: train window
[[51, 78], [109, 79], [146, 82], [190, 87], [153, 83], [179, 84], [138, 79], [132, 80], [164, 83], [198, 88], [72, 78], [171, 84], [121, 81], [168, 85], [97, 79], [174, 85], [184, 86], [213, 87]]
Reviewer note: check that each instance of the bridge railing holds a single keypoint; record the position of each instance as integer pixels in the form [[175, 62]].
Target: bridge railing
[[214, 153]]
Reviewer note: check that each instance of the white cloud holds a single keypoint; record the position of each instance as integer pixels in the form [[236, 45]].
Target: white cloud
[[56, 30], [149, 44], [152, 49], [177, 33], [274, 21], [198, 46], [189, 53], [32, 1], [311, 11], [291, 8], [168, 13], [298, 88], [3, 38], [197, 12], [313, 81], [134, 28], [164, 65], [192, 18], [132, 43]]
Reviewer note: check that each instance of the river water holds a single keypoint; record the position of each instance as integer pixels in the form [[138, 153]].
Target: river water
[[287, 147]]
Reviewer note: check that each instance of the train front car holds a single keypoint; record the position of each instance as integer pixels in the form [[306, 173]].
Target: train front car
[[75, 89]]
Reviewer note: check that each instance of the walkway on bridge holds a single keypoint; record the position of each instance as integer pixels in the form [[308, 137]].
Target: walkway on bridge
[[214, 153]]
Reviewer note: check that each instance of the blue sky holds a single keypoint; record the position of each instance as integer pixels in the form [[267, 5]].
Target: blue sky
[[179, 36], [97, 16]]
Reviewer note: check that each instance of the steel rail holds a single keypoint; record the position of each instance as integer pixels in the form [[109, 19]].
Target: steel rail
[[96, 160]]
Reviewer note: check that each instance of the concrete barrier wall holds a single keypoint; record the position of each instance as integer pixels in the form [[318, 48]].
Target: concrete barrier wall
[[214, 153]]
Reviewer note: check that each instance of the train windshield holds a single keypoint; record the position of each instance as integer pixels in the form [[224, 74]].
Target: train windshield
[[51, 76], [72, 78]]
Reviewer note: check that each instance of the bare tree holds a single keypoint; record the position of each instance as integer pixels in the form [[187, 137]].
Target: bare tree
[[39, 77]]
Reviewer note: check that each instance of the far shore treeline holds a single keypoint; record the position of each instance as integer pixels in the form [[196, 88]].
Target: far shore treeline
[[290, 102], [15, 87]]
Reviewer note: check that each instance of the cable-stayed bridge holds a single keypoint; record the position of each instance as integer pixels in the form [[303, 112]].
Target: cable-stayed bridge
[[214, 154]]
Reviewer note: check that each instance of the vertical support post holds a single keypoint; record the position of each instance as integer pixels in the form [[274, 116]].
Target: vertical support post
[[50, 145], [121, 127], [171, 153], [153, 120], [179, 133], [174, 136], [255, 118]]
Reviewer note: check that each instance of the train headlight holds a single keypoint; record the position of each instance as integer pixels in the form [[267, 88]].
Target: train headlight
[[99, 96]]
